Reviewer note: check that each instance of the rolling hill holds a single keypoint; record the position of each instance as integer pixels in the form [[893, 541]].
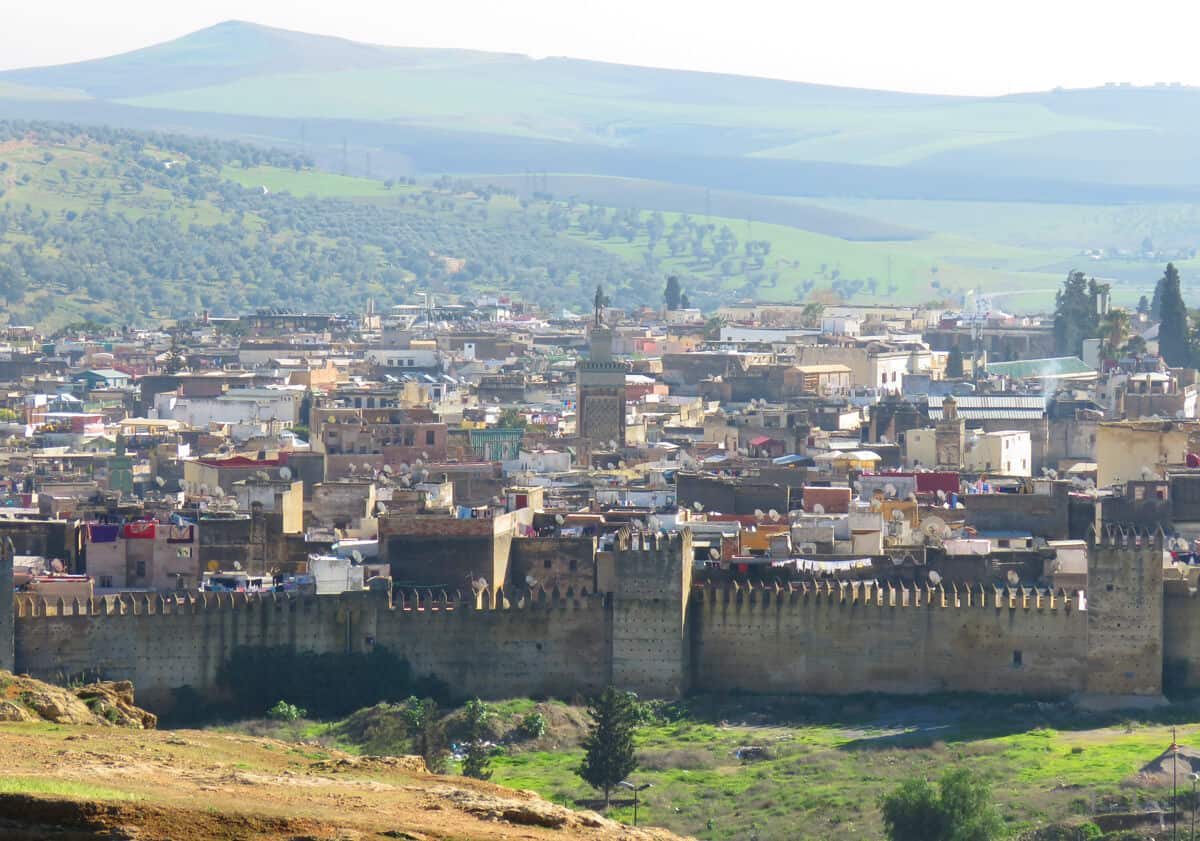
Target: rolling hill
[[92, 218], [415, 111]]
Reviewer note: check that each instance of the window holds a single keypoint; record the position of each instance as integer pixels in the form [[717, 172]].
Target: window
[[429, 436], [409, 437], [106, 581], [1016, 658], [574, 564], [141, 569], [409, 363], [546, 564]]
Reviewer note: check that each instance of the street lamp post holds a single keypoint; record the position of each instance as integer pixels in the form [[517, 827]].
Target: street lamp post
[[1195, 779], [635, 789]]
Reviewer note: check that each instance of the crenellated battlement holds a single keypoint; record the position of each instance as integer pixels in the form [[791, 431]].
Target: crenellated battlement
[[408, 602], [1126, 536], [887, 594]]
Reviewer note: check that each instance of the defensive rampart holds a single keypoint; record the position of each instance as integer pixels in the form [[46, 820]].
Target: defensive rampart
[[537, 644], [863, 637], [657, 634]]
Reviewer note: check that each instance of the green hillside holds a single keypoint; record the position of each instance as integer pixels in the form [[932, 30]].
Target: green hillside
[[431, 111], [91, 219]]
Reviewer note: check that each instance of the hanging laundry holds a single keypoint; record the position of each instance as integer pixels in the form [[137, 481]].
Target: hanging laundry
[[140, 530], [102, 533]]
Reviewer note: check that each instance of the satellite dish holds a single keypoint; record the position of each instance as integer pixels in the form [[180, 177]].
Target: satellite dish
[[774, 515], [530, 581], [890, 490], [714, 553], [935, 577], [203, 490], [237, 565], [387, 469], [560, 519], [1013, 578], [818, 508], [611, 466], [424, 455], [57, 565], [160, 481], [356, 556], [759, 513], [285, 473], [218, 491], [935, 527], [1052, 473], [897, 515], [883, 439], [1147, 473], [941, 495], [698, 505]]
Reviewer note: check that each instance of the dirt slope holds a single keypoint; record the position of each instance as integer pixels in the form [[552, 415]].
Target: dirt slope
[[69, 782]]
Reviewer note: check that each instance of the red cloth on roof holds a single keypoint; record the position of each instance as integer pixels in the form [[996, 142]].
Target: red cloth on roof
[[140, 529], [759, 441]]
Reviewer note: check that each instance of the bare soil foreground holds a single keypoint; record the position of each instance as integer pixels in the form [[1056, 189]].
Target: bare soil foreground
[[73, 781]]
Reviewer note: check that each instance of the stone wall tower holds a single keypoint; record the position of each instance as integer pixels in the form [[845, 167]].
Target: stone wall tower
[[1125, 612], [7, 629], [651, 647], [600, 381]]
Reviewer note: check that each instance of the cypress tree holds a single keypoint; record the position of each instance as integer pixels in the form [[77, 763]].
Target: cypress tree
[[1156, 301], [1174, 343], [673, 293], [954, 364], [1074, 314], [608, 749]]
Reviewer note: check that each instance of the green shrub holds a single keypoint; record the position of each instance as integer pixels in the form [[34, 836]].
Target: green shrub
[[532, 726], [283, 711]]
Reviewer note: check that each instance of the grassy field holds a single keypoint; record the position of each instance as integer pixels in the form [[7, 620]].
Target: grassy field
[[821, 764], [310, 182]]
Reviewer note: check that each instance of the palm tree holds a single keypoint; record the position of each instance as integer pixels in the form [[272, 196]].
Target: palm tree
[[1114, 330]]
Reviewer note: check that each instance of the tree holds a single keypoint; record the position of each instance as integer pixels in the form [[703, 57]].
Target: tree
[[1174, 343], [1136, 346], [511, 418], [959, 809], [425, 730], [811, 315], [477, 762], [1156, 301], [685, 303], [954, 364], [608, 748], [1074, 315], [1143, 306], [673, 293], [1114, 330]]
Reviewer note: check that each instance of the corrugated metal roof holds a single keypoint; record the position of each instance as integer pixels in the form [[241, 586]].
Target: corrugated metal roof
[[992, 414], [992, 401]]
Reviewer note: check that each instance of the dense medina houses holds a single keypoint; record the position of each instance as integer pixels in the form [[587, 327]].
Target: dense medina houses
[[605, 494]]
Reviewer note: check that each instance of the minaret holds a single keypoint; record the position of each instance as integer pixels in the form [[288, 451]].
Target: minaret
[[950, 436], [600, 380]]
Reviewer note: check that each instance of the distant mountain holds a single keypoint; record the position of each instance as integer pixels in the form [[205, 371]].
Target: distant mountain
[[370, 109]]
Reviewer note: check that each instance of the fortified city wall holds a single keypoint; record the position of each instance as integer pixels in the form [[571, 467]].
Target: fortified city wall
[[660, 636]]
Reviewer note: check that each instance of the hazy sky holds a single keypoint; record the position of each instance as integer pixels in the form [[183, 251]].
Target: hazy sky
[[954, 46]]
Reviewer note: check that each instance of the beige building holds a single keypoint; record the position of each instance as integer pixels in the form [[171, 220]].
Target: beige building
[[1001, 453], [1141, 449]]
